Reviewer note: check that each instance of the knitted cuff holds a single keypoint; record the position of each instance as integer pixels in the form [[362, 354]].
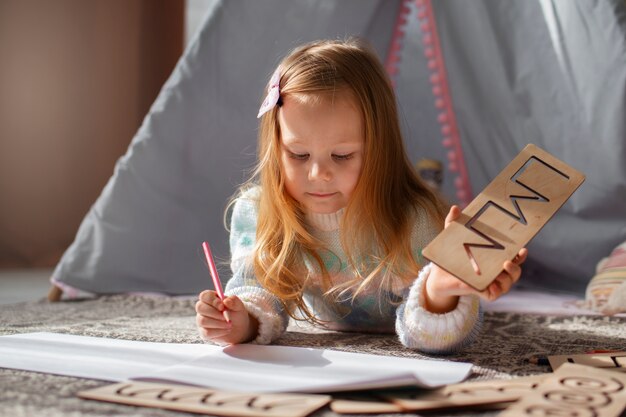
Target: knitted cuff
[[260, 304], [421, 329]]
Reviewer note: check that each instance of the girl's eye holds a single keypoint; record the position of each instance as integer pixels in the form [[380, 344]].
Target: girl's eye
[[343, 157], [299, 156]]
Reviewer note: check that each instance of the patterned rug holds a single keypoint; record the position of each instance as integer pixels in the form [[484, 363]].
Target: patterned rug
[[507, 340]]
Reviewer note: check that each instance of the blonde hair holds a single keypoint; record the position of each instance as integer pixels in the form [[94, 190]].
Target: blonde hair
[[384, 202]]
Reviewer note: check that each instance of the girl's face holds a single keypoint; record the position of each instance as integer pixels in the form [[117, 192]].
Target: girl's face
[[321, 151]]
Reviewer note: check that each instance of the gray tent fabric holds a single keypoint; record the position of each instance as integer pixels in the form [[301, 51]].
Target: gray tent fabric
[[512, 85], [551, 73]]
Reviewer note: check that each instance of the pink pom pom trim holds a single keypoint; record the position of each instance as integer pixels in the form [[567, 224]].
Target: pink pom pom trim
[[443, 101], [440, 88]]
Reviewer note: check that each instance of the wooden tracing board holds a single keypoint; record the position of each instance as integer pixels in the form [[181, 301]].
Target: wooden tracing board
[[504, 217], [207, 401]]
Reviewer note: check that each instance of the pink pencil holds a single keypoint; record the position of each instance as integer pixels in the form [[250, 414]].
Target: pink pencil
[[216, 278]]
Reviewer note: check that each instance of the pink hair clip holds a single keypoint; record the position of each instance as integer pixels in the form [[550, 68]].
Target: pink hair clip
[[273, 94]]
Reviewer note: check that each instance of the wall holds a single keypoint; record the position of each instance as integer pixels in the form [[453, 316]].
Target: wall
[[76, 79]]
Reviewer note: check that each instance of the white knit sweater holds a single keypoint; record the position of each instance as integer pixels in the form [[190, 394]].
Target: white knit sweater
[[399, 308]]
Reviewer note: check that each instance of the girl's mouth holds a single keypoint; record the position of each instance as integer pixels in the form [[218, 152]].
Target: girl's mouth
[[321, 195]]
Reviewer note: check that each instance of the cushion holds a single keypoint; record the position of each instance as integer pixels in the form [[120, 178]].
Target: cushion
[[606, 292]]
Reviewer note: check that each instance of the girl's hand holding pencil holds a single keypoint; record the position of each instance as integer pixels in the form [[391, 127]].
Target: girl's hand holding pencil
[[213, 326], [221, 319]]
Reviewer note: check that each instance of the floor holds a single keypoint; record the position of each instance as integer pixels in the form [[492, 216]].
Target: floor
[[18, 285]]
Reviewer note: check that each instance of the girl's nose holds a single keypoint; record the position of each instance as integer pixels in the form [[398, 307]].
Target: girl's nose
[[320, 172]]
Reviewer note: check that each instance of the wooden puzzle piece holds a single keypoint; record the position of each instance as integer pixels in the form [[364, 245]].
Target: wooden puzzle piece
[[371, 404], [492, 394], [615, 361], [207, 401], [470, 394], [504, 217], [574, 390]]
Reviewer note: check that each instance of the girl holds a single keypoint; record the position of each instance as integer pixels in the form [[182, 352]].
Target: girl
[[331, 227]]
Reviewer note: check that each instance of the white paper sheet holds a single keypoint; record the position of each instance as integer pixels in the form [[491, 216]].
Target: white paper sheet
[[91, 357], [249, 368]]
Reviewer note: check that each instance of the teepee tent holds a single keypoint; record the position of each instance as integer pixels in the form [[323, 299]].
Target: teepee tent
[[476, 81]]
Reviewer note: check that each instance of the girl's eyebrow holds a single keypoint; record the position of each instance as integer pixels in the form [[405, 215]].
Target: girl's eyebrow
[[288, 141], [338, 142], [292, 140], [292, 144]]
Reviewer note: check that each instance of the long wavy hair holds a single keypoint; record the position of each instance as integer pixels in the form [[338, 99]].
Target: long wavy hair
[[388, 195]]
